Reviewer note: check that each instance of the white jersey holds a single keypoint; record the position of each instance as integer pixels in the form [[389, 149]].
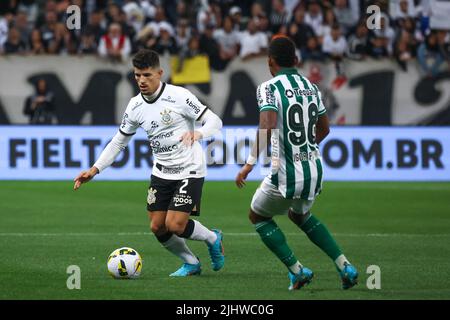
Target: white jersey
[[165, 119]]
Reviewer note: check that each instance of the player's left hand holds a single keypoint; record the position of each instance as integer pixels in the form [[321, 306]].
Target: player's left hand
[[190, 137], [242, 175]]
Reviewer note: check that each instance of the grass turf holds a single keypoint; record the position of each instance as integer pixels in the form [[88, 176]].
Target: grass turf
[[404, 228]]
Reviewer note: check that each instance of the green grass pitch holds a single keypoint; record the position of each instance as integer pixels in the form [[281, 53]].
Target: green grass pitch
[[404, 228]]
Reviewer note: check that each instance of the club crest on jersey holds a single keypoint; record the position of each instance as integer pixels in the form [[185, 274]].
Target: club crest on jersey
[[166, 118], [151, 198]]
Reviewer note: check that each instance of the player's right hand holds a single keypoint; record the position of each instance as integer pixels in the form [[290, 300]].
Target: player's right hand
[[242, 175], [83, 177]]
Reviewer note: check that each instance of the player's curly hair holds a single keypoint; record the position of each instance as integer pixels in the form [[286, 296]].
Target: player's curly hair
[[146, 58], [282, 50]]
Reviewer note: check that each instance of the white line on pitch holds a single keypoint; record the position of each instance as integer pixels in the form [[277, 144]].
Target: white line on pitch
[[233, 234]]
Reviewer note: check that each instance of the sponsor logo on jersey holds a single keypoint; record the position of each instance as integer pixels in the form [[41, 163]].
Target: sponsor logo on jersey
[[166, 118], [299, 92], [154, 124], [124, 120], [193, 106], [181, 200], [175, 170], [151, 197], [270, 96], [163, 135], [156, 148], [289, 93], [168, 99]]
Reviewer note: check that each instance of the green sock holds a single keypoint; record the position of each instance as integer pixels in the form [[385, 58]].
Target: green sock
[[321, 237], [274, 239]]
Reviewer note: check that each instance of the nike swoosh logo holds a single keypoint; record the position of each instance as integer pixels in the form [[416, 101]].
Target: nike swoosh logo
[[179, 204]]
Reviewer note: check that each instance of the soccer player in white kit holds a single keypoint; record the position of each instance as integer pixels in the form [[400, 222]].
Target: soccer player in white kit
[[294, 117], [168, 114]]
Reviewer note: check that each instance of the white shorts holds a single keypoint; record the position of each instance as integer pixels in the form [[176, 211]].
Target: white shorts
[[268, 202]]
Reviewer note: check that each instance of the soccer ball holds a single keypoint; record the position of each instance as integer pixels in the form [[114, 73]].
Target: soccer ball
[[124, 263]]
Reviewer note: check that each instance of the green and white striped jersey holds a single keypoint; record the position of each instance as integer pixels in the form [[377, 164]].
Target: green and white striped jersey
[[296, 161]]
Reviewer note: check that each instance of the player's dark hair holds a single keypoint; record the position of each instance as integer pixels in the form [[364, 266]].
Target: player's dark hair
[[282, 50], [146, 58]]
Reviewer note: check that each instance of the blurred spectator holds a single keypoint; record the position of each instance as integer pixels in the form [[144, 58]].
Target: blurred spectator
[[253, 42], [345, 15], [381, 40], [312, 51], [166, 40], [36, 44], [208, 15], [327, 24], [160, 17], [256, 10], [189, 51], [228, 40], [357, 44], [146, 38], [429, 55], [444, 44], [210, 47], [51, 33], [278, 16], [14, 45], [335, 45], [401, 9], [3, 31], [95, 25], [88, 44], [135, 16], [236, 15], [263, 25], [183, 33], [299, 31], [39, 107], [314, 15], [405, 46], [22, 25], [114, 45]]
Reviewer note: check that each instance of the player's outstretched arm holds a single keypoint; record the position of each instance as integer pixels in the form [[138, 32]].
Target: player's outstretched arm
[[84, 176], [267, 122], [107, 157]]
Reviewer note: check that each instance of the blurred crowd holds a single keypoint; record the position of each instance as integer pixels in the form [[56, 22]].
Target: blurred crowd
[[224, 30]]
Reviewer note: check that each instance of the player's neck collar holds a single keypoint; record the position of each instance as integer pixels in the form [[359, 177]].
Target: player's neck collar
[[156, 95], [287, 71]]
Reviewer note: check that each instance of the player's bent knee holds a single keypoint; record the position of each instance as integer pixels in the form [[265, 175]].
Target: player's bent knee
[[298, 218], [176, 227], [255, 218], [158, 228]]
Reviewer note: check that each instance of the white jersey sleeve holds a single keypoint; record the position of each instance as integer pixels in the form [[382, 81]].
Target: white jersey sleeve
[[193, 108], [266, 97], [321, 106], [129, 124]]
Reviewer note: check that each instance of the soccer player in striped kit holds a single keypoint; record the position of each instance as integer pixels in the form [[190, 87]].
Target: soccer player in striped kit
[[294, 119]]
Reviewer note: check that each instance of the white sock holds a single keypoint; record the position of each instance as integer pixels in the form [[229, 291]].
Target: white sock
[[295, 268], [178, 247], [340, 262], [201, 232]]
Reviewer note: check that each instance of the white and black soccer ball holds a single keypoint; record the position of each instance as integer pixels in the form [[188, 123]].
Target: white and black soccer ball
[[124, 263]]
